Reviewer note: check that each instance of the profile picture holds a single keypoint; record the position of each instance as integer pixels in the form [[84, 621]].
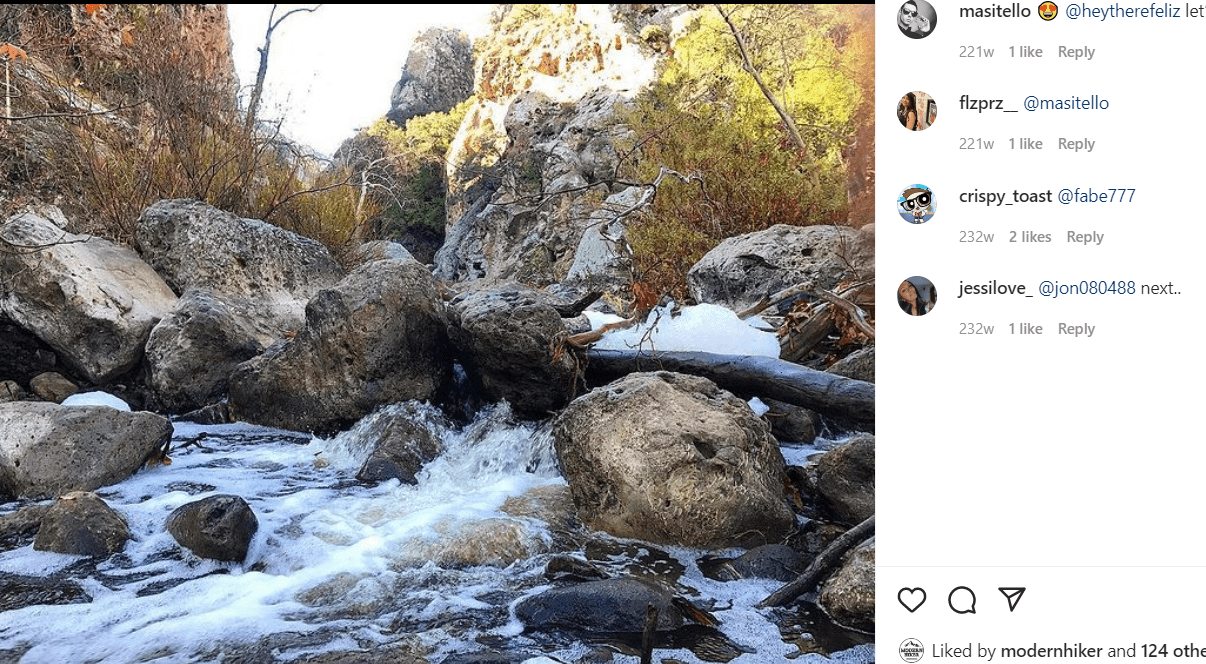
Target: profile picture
[[917, 111], [917, 19], [916, 204], [916, 296]]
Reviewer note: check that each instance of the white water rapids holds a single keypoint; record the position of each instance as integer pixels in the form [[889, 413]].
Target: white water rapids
[[336, 565]]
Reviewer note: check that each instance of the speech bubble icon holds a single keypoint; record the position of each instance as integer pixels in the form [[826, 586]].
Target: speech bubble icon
[[962, 600]]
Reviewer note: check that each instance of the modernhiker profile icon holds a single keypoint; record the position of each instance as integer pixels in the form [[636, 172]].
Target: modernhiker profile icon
[[911, 650]]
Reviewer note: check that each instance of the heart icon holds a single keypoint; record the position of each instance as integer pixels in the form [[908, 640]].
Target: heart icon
[[911, 598]]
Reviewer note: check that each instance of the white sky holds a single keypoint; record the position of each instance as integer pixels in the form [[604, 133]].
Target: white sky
[[332, 71]]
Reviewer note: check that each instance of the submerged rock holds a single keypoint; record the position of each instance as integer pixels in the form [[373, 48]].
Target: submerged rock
[[610, 605], [18, 592], [47, 449], [671, 458], [219, 527], [377, 337], [82, 524], [90, 300], [403, 448]]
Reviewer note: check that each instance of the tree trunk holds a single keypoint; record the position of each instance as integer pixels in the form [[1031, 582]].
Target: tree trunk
[[849, 403]]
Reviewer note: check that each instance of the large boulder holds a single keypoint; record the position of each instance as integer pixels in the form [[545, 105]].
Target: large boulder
[[218, 527], [437, 76], [843, 480], [191, 353], [849, 595], [671, 458], [48, 450], [511, 343], [90, 300], [739, 271], [610, 605], [376, 337], [82, 524], [195, 245]]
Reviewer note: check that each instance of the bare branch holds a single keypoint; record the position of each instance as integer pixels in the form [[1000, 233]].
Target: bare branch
[[788, 123]]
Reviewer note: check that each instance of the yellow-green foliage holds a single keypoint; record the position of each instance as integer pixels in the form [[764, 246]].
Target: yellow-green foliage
[[707, 115], [425, 137], [417, 153]]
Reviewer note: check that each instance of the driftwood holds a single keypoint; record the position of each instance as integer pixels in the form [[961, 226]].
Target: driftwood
[[826, 561], [849, 402]]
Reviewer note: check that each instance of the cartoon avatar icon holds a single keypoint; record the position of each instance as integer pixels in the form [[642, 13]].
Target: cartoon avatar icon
[[918, 202], [1048, 11]]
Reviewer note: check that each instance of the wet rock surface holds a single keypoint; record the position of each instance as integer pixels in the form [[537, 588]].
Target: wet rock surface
[[610, 605], [219, 527], [82, 524]]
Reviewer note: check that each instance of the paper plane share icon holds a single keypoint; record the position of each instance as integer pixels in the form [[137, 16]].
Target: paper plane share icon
[[1013, 596]]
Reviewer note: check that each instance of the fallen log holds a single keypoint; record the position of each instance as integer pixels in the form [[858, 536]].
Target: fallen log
[[826, 561], [850, 403]]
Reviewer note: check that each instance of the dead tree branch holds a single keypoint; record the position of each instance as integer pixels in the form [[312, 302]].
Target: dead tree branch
[[826, 561]]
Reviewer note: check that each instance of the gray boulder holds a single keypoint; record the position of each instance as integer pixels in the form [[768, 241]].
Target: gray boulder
[[510, 341], [192, 352], [376, 337], [437, 76], [90, 300], [218, 527], [195, 245], [849, 595], [48, 450], [610, 605], [671, 458], [741, 270], [844, 480], [82, 524]]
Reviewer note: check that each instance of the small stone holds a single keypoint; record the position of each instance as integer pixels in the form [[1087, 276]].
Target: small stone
[[51, 386], [219, 527], [82, 524]]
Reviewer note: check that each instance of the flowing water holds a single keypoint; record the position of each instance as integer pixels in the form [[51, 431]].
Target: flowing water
[[340, 566]]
